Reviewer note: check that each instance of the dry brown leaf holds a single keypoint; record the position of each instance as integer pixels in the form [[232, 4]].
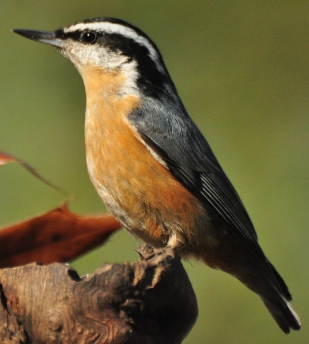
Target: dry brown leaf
[[6, 158], [57, 236]]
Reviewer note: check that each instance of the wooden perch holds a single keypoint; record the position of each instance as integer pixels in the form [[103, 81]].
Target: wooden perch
[[149, 301]]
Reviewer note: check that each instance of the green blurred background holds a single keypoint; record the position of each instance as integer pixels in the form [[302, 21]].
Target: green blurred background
[[242, 70]]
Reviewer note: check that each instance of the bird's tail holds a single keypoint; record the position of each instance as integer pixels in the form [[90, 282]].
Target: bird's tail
[[276, 296], [282, 312], [274, 293], [260, 276], [278, 304]]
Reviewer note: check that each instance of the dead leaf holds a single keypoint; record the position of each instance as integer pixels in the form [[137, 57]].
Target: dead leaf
[[57, 236], [6, 158]]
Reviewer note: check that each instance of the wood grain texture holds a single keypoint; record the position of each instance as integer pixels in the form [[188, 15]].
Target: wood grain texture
[[150, 301]]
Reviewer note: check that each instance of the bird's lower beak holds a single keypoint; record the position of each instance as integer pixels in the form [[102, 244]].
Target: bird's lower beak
[[41, 36]]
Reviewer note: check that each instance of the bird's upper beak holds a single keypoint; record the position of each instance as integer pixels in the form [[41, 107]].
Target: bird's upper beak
[[41, 36]]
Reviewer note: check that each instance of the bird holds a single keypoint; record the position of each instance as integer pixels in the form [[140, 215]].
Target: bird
[[151, 165]]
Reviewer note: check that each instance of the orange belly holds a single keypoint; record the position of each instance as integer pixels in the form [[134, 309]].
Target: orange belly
[[142, 194]]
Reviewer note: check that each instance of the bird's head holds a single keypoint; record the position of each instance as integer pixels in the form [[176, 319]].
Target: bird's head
[[109, 45]]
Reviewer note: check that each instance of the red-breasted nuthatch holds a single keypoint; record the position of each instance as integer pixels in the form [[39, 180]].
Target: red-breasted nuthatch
[[151, 165]]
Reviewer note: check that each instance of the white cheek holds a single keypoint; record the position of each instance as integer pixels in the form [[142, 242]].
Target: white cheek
[[92, 55], [82, 55]]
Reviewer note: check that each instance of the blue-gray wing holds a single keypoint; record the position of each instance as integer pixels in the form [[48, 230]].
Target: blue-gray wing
[[180, 144]]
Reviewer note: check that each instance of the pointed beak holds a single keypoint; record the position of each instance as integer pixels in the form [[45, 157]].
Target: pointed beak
[[41, 36]]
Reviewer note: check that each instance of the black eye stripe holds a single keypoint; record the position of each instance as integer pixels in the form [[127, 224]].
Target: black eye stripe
[[88, 37]]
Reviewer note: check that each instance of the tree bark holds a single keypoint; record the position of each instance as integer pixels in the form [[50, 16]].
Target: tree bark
[[149, 301]]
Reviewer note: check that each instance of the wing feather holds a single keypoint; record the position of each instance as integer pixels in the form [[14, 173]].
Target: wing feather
[[177, 140]]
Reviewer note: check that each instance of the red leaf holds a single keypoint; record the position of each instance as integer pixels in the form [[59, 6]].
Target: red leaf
[[57, 236], [7, 158]]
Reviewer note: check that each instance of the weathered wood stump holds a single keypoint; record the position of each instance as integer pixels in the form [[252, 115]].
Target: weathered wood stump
[[149, 301]]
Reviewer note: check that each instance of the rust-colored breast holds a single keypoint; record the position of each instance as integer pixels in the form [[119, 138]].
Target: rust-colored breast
[[140, 191]]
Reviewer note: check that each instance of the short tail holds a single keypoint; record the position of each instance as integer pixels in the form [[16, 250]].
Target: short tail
[[283, 313], [274, 293], [253, 269], [279, 306]]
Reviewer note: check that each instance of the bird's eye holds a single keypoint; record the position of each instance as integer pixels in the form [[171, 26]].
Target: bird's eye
[[88, 37]]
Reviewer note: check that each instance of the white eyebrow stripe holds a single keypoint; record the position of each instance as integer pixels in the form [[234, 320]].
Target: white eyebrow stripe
[[109, 27]]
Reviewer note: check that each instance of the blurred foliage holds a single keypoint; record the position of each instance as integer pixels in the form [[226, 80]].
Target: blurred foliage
[[242, 70]]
